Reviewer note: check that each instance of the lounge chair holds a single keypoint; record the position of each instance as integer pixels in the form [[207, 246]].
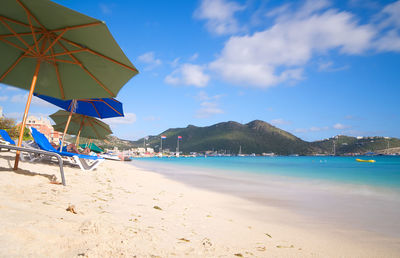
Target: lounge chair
[[85, 162], [7, 139], [25, 156], [32, 153]]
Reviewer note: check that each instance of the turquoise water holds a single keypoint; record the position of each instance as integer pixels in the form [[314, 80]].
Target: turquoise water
[[385, 172], [336, 191]]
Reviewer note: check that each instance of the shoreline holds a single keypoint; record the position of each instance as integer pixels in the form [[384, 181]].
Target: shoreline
[[117, 215], [345, 205]]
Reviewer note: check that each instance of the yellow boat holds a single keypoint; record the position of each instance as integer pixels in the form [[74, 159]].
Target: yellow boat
[[365, 160]]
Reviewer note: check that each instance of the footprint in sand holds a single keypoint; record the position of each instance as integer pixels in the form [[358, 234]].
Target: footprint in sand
[[206, 242], [261, 248]]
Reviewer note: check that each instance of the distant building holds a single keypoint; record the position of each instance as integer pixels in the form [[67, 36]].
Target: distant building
[[1, 111], [44, 126]]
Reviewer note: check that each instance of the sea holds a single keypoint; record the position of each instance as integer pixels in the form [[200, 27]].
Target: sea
[[331, 190]]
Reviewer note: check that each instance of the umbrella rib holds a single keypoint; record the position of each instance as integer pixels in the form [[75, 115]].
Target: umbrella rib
[[15, 33], [101, 125], [77, 26], [33, 32], [95, 109], [15, 21], [18, 60], [112, 108], [54, 42], [94, 129], [98, 54], [86, 70], [33, 16], [58, 76], [66, 53], [13, 44], [12, 67], [20, 34]]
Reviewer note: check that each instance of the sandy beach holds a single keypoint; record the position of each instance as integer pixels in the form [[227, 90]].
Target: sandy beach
[[124, 211]]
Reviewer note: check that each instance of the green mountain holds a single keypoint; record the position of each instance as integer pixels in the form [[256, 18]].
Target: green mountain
[[346, 144], [261, 137], [254, 137]]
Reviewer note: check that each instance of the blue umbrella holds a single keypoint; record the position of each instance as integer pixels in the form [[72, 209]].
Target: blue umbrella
[[101, 108]]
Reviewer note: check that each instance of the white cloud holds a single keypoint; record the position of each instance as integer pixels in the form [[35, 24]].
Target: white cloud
[[151, 118], [203, 96], [329, 67], [129, 118], [22, 98], [209, 105], [175, 62], [208, 109], [9, 88], [40, 102], [194, 57], [15, 115], [18, 115], [3, 98], [19, 98], [219, 16], [311, 129], [280, 121], [279, 53], [149, 59], [339, 126], [391, 15], [188, 74]]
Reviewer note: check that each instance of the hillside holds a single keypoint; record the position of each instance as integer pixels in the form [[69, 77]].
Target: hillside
[[254, 137], [347, 144]]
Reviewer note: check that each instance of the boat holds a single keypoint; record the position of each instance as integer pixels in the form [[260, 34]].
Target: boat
[[110, 156], [366, 160]]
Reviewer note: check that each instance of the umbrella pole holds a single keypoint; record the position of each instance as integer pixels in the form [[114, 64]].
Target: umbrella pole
[[65, 130], [79, 133], [28, 104], [77, 138]]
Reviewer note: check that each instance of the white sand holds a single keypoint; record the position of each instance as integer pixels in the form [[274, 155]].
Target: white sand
[[116, 218]]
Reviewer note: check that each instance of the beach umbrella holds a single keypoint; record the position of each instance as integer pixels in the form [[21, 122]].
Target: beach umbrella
[[99, 107], [81, 125], [92, 147], [55, 51], [95, 107]]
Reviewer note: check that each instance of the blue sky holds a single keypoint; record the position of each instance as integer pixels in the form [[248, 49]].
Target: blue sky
[[314, 68]]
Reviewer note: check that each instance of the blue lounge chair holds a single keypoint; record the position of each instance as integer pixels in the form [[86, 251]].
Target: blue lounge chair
[[80, 159], [29, 154], [6, 137]]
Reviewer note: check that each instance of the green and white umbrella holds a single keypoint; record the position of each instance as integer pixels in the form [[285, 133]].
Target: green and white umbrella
[[52, 50]]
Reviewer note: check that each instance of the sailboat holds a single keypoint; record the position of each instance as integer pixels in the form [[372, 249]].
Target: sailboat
[[240, 152]]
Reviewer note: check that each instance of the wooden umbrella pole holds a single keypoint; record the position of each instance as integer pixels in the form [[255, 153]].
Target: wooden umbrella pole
[[65, 130], [79, 133], [77, 138], [28, 104]]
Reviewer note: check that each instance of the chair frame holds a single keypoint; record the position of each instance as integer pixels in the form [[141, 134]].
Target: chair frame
[[41, 152]]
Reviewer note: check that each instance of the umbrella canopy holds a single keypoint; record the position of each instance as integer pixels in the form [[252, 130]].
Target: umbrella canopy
[[53, 50], [81, 125], [92, 147], [101, 108], [77, 55]]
